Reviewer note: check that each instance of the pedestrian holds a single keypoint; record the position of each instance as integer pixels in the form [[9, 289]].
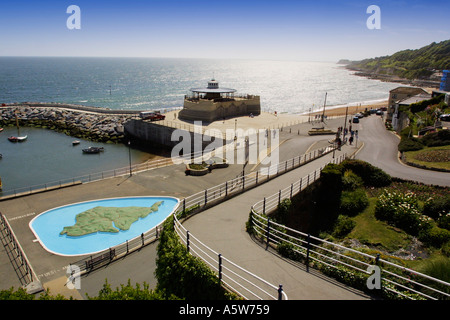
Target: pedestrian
[[350, 140]]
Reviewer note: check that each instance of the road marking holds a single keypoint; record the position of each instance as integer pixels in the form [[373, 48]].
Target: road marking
[[22, 216]]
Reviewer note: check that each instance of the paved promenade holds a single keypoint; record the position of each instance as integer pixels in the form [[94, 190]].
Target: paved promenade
[[168, 181], [222, 228]]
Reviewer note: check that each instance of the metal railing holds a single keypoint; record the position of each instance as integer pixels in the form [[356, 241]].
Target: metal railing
[[234, 277], [237, 279], [396, 279], [149, 165], [93, 261], [15, 253]]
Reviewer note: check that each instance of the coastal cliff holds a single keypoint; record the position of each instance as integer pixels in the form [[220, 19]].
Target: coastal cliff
[[94, 124], [420, 67]]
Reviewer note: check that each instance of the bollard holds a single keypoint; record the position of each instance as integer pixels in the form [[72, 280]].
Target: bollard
[[280, 292]]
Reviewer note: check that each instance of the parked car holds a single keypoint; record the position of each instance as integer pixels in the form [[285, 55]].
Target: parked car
[[152, 115], [355, 120], [379, 112], [445, 117]]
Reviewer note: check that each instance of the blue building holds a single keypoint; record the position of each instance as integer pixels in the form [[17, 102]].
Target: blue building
[[445, 81]]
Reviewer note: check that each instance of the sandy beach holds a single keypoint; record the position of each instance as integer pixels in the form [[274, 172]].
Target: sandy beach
[[266, 120], [340, 111]]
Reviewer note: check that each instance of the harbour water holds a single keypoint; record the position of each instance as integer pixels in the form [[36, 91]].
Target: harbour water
[[151, 83], [47, 157]]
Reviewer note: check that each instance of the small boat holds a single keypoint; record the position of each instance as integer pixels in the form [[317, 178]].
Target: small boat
[[1, 129], [75, 142], [93, 150], [17, 139]]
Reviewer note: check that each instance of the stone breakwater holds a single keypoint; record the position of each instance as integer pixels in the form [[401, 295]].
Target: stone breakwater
[[94, 124]]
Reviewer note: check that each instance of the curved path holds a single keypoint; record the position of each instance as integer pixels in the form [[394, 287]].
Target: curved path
[[380, 149], [222, 228]]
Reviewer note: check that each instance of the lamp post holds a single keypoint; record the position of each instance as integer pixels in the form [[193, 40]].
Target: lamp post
[[129, 156]]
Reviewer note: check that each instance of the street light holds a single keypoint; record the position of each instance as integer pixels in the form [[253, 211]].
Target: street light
[[129, 156]]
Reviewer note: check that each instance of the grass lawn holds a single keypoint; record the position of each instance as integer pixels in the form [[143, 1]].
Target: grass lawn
[[370, 231], [434, 157]]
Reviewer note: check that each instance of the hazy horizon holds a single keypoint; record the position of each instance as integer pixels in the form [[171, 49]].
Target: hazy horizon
[[321, 31]]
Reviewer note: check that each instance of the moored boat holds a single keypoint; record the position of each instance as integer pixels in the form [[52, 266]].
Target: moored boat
[[76, 142], [17, 139], [93, 150]]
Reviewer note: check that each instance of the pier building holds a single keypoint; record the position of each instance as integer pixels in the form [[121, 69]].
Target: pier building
[[215, 103]]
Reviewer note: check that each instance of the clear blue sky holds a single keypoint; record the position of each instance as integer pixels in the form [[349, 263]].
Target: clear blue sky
[[320, 30]]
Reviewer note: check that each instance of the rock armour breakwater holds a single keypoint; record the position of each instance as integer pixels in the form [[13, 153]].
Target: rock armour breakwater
[[94, 124]]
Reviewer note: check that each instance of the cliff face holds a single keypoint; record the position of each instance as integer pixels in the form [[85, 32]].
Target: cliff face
[[416, 67]]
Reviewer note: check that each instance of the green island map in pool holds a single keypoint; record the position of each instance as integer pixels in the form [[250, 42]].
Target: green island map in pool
[[102, 219]]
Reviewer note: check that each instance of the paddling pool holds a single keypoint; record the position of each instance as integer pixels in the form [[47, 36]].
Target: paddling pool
[[48, 225]]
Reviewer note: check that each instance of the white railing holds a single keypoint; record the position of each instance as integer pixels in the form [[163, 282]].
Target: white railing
[[398, 280], [237, 279]]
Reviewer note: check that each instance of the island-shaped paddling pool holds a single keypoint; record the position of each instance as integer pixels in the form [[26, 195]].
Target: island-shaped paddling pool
[[94, 226]]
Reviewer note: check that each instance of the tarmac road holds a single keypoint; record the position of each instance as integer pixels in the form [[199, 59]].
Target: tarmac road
[[380, 149]]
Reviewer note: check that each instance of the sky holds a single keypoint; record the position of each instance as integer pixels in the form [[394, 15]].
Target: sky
[[320, 30]]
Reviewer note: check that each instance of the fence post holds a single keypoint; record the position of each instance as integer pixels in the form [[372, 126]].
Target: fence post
[[220, 268], [142, 238], [279, 197], [292, 186], [187, 241], [184, 206], [264, 206], [226, 188], [206, 196], [257, 177], [268, 233], [280, 292], [307, 253]]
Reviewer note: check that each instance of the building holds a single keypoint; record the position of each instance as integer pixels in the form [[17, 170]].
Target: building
[[214, 103], [400, 94], [445, 81]]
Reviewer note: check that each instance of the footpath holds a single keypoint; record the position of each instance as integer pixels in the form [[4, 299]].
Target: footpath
[[222, 228]]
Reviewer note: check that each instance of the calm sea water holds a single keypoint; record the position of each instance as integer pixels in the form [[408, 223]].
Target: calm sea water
[[151, 83]]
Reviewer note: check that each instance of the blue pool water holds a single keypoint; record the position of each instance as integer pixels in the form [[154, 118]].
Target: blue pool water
[[48, 225]]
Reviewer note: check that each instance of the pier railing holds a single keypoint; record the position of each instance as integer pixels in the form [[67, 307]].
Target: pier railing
[[398, 281]]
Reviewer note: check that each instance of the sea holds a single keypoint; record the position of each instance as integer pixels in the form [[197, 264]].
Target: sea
[[152, 84]]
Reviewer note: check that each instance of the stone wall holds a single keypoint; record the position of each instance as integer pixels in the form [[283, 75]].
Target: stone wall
[[102, 126]]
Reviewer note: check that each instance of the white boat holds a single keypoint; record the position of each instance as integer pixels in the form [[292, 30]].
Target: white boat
[[17, 139]]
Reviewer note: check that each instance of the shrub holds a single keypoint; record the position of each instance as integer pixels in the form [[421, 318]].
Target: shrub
[[351, 181], [444, 222], [436, 207], [343, 226], [402, 211], [370, 175], [435, 236], [410, 144], [182, 275], [353, 202]]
